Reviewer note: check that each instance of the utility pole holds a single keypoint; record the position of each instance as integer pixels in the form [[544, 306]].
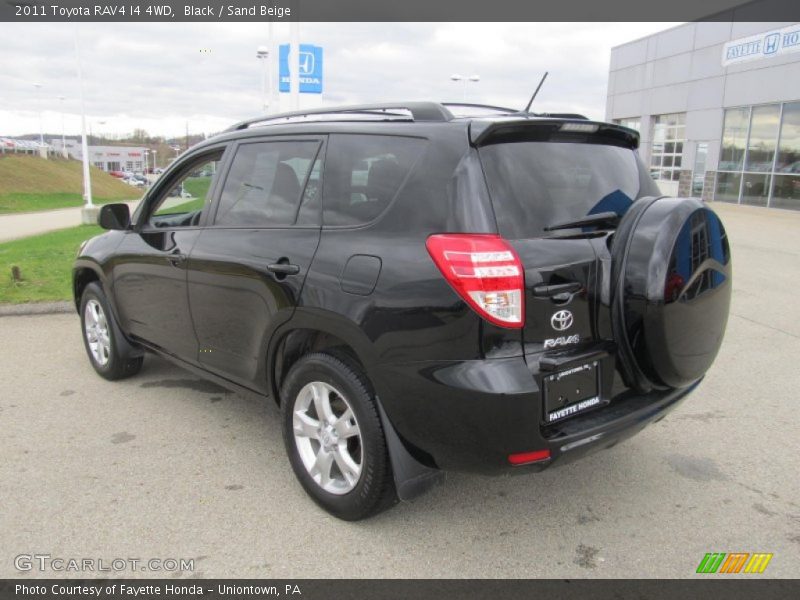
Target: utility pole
[[89, 212], [294, 64], [263, 56], [272, 55], [63, 135], [38, 87], [464, 79]]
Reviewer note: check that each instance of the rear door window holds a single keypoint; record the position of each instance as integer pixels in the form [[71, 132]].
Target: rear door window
[[363, 174], [264, 187], [536, 184]]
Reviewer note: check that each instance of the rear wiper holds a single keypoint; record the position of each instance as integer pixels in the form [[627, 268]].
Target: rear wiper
[[610, 219]]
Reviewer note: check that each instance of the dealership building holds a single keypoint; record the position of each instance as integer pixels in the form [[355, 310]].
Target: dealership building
[[717, 106], [107, 158]]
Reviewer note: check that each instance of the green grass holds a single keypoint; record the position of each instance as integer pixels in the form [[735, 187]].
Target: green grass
[[16, 203], [184, 207], [45, 264], [30, 183], [197, 186]]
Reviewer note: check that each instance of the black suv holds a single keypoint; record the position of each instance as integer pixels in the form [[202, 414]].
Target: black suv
[[419, 292]]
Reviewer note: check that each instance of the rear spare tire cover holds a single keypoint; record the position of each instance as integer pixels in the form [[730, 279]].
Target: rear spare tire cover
[[671, 278]]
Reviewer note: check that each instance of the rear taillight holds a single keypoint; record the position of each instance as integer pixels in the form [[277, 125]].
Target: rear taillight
[[485, 271]]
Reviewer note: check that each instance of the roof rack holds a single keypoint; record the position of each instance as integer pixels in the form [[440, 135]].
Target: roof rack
[[408, 111], [389, 111]]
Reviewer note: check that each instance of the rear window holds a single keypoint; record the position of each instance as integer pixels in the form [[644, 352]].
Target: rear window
[[363, 173], [536, 184]]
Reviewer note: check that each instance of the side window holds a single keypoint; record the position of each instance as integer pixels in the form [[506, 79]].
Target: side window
[[183, 203], [363, 173], [265, 183]]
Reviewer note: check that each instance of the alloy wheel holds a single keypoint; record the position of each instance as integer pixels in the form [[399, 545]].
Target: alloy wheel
[[96, 331], [328, 437]]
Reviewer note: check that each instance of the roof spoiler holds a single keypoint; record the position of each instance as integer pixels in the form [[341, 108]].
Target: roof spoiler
[[551, 129]]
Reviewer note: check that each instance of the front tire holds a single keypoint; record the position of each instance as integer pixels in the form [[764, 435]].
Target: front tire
[[334, 437], [100, 337]]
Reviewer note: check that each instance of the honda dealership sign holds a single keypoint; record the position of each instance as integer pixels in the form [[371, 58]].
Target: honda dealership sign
[[764, 45], [310, 68]]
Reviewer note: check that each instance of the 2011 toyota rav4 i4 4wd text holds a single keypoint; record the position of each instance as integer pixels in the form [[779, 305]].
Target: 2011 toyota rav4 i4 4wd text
[[419, 292]]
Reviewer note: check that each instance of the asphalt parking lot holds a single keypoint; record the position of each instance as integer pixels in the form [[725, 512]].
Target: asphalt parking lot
[[165, 465]]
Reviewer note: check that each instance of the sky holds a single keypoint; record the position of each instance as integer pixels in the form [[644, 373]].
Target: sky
[[161, 77]]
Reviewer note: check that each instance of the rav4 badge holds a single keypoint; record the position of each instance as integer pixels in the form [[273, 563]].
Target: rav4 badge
[[562, 341]]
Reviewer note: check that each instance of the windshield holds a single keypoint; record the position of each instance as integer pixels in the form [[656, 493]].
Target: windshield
[[536, 184]]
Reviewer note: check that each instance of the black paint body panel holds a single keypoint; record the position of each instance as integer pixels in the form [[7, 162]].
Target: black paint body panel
[[460, 392]]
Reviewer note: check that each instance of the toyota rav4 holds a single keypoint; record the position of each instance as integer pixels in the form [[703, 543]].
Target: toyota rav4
[[417, 291]]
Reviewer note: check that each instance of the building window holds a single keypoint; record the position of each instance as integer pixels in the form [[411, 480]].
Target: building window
[[760, 156], [632, 123], [786, 181], [113, 165], [699, 173], [666, 157], [734, 137], [99, 164], [762, 142], [129, 165]]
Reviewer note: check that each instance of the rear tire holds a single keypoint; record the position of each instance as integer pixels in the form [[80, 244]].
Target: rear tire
[[334, 437], [100, 337]]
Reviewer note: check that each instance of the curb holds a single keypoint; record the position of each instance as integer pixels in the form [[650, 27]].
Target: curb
[[36, 308]]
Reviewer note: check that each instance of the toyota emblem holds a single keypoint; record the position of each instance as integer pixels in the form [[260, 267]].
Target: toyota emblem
[[562, 320]]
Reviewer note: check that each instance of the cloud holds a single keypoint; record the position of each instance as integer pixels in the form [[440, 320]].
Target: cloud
[[161, 76]]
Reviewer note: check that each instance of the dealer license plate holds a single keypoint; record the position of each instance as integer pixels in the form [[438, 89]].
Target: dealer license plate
[[571, 392]]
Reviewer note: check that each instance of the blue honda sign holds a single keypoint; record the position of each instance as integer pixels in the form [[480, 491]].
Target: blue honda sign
[[310, 69]]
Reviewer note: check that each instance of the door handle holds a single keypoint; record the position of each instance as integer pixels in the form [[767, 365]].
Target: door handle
[[550, 291], [176, 259], [282, 268]]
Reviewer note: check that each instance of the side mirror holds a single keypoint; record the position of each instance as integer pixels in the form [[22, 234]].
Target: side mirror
[[114, 216]]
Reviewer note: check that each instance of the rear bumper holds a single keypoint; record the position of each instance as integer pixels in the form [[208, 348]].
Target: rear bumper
[[471, 415]]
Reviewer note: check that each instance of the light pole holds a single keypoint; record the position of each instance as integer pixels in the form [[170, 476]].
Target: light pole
[[38, 87], [63, 136], [270, 65], [155, 163], [88, 214], [294, 64], [146, 164], [99, 125], [262, 54], [464, 79]]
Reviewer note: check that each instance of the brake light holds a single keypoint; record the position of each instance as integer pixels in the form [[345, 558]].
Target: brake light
[[485, 271], [524, 458]]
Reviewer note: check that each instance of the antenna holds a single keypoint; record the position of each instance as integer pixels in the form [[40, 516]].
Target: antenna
[[538, 87]]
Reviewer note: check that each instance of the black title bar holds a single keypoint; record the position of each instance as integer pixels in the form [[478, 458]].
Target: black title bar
[[396, 10], [706, 588]]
